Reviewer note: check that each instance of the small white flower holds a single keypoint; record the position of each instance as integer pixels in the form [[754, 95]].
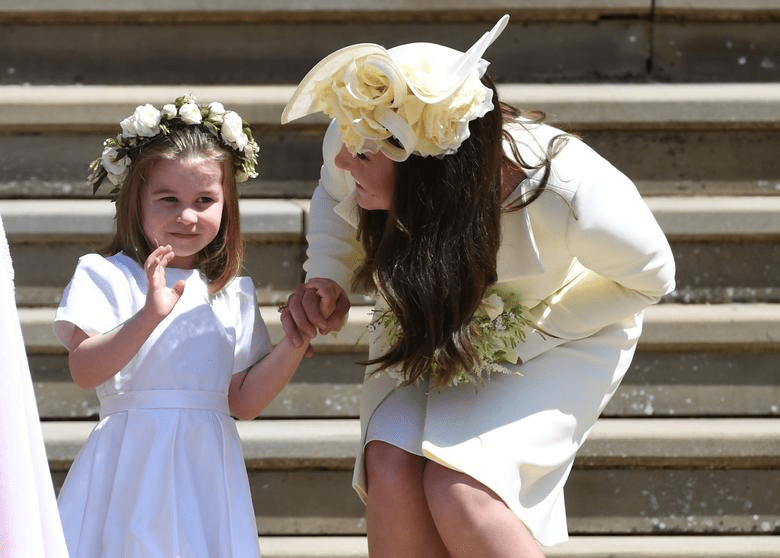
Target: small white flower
[[190, 113], [128, 128], [494, 305], [169, 111], [216, 108], [233, 130], [216, 112], [116, 168], [146, 120], [251, 149]]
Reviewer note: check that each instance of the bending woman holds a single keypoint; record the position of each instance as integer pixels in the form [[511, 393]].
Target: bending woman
[[511, 265]]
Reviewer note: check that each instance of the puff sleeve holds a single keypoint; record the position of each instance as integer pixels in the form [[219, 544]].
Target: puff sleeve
[[97, 299], [252, 339]]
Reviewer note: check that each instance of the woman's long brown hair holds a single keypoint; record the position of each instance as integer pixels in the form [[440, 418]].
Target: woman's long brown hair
[[433, 254]]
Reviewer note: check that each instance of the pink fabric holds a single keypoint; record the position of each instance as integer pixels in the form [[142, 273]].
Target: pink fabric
[[29, 521]]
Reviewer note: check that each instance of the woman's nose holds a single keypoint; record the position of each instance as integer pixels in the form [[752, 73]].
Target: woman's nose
[[343, 158]]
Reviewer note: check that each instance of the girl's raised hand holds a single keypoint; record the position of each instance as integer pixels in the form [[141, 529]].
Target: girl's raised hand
[[160, 300]]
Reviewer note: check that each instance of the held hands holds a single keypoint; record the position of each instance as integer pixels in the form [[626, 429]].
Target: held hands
[[319, 305], [160, 300]]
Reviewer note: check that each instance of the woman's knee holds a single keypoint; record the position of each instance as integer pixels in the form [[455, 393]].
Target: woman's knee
[[452, 492], [388, 466]]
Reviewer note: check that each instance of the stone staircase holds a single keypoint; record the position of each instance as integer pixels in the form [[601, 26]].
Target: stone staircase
[[682, 95]]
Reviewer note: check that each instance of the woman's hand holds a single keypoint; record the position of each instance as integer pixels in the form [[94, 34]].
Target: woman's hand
[[160, 300], [319, 305]]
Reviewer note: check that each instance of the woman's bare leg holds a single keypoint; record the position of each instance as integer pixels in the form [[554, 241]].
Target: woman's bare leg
[[472, 520], [398, 522]]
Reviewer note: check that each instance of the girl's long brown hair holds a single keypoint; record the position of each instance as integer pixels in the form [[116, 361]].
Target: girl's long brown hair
[[221, 260]]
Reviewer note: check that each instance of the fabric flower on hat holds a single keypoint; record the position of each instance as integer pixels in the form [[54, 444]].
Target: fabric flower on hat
[[420, 96]]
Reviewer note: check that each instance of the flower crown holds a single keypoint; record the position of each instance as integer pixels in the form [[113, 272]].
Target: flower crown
[[415, 98], [148, 122]]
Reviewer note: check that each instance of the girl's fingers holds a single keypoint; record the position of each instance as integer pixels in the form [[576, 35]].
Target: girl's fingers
[[299, 323]]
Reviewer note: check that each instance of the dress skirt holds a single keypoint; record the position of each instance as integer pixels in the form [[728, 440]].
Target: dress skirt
[[515, 433]]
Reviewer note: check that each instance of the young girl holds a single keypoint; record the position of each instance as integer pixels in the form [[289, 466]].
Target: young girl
[[171, 339], [511, 264]]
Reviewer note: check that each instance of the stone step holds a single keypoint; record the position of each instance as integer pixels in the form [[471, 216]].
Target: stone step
[[38, 108], [668, 327], [48, 236], [671, 139], [708, 360], [390, 10], [246, 42], [651, 476], [658, 384], [717, 546]]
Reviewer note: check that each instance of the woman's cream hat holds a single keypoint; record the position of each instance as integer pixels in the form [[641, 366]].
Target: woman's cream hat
[[421, 94]]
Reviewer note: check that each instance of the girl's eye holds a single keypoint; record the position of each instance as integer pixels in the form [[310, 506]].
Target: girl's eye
[[362, 156], [169, 199]]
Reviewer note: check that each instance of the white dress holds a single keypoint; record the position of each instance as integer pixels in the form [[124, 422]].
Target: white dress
[[162, 475], [29, 522]]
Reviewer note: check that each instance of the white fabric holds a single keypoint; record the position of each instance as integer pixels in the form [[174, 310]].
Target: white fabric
[[162, 475], [29, 521], [588, 256]]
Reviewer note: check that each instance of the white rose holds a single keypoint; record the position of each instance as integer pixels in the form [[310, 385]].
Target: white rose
[[233, 130], [190, 113], [216, 112], [169, 111], [146, 120], [116, 168], [128, 128]]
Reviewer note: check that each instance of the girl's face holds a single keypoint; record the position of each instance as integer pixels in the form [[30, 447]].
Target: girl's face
[[181, 205], [374, 175]]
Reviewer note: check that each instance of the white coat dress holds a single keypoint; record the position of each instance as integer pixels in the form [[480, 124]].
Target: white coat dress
[[587, 257]]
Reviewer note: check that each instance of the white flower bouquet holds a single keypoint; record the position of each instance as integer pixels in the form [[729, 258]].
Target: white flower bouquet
[[499, 325]]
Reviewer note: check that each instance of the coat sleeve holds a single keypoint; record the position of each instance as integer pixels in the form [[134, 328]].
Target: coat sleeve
[[333, 250], [626, 263]]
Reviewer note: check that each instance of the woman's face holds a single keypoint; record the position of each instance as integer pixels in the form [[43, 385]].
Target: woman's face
[[374, 175], [181, 205]]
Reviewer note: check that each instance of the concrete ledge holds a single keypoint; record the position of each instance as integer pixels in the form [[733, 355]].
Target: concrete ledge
[[667, 327], [41, 219], [325, 10], [635, 443], [712, 327], [714, 216], [715, 546], [28, 108], [681, 217], [576, 547], [718, 10]]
